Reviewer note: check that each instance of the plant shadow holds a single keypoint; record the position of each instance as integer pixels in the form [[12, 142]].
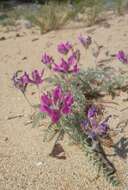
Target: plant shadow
[[121, 148]]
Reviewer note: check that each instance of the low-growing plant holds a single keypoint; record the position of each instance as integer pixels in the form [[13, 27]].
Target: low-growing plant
[[74, 105]]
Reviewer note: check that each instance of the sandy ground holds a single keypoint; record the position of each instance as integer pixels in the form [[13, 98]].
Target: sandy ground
[[24, 157]]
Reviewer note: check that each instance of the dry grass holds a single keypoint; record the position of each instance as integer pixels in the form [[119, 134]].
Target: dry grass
[[51, 17]]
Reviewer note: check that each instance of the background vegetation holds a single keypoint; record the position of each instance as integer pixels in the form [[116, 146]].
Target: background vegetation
[[54, 14]]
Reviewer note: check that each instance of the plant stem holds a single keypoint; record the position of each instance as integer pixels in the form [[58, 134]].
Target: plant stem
[[28, 100], [45, 136], [39, 93], [101, 153]]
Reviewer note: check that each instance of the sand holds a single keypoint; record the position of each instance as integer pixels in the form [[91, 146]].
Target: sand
[[25, 163]]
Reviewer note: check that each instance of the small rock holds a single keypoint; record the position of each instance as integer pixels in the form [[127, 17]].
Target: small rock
[[24, 58], [35, 39], [18, 35], [2, 38], [6, 139], [38, 163]]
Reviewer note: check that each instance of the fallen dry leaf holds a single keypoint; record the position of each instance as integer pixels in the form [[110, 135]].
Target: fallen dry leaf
[[58, 152]]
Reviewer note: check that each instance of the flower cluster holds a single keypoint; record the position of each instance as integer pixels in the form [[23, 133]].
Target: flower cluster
[[56, 104], [68, 66], [64, 48], [22, 82], [64, 66], [92, 127], [37, 77], [47, 60], [121, 56]]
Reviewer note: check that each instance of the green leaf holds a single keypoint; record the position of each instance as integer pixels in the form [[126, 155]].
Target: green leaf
[[37, 118], [36, 106]]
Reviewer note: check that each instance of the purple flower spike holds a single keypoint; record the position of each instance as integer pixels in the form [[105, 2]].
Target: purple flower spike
[[64, 48], [56, 104], [122, 57], [47, 60], [69, 66], [37, 77], [85, 41]]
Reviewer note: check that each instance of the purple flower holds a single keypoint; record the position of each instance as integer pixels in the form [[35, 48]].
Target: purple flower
[[56, 104], [25, 78], [93, 131], [55, 115], [92, 127], [64, 47], [67, 103], [103, 126], [37, 77], [47, 99], [47, 60], [21, 82], [85, 41], [69, 66], [85, 124], [57, 94], [92, 111], [122, 57]]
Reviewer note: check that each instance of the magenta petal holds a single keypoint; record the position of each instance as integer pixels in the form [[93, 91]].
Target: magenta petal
[[66, 109], [46, 109], [72, 59], [57, 94], [58, 68], [45, 99], [122, 57], [68, 100], [61, 67], [46, 59], [55, 116], [64, 47], [67, 104], [37, 77], [25, 78]]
